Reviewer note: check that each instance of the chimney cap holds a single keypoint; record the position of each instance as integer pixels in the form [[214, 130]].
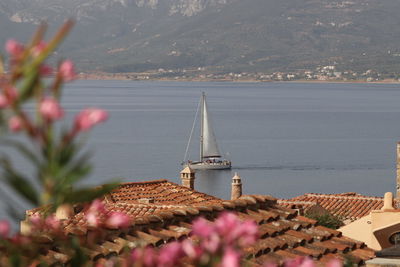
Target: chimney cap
[[187, 169], [388, 201], [236, 176]]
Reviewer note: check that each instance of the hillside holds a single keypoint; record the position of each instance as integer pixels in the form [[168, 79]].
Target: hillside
[[223, 35]]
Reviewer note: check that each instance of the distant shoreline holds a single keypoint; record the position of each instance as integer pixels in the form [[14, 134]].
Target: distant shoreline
[[126, 77]]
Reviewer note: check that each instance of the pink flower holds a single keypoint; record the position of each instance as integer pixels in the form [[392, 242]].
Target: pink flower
[[212, 243], [300, 262], [192, 251], [15, 124], [118, 219], [88, 118], [296, 262], [14, 48], [92, 219], [67, 70], [202, 228], [11, 93], [52, 222], [38, 49], [50, 109], [248, 232], [147, 256], [3, 101], [45, 70], [307, 262], [97, 206], [170, 254], [35, 219], [226, 222], [232, 230], [334, 263], [231, 258], [4, 229]]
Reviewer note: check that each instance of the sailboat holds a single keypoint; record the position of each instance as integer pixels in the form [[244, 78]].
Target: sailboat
[[210, 157]]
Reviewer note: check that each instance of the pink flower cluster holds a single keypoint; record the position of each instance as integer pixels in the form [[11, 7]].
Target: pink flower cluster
[[87, 118], [214, 244], [49, 107], [226, 230], [305, 262], [8, 97], [14, 48], [40, 223], [4, 229], [97, 215], [169, 255], [66, 69], [226, 236], [221, 241]]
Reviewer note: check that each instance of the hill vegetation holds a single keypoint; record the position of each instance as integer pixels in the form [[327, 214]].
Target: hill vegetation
[[221, 35]]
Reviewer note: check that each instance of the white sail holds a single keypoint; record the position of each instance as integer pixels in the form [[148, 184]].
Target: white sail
[[210, 147]]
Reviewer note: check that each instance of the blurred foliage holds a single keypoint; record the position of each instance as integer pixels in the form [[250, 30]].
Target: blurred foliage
[[57, 155], [324, 218]]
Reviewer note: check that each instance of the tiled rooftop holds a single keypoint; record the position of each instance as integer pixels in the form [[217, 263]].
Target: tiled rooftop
[[284, 234], [347, 206], [158, 192]]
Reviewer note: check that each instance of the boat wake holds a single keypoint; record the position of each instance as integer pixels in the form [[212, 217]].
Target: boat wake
[[311, 167]]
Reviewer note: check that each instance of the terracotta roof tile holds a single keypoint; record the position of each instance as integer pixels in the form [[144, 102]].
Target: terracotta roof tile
[[283, 232], [307, 251], [348, 206]]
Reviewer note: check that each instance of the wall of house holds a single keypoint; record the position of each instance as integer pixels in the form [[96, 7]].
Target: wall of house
[[361, 230], [365, 229]]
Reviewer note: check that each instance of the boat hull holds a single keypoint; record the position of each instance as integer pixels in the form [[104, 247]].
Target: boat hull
[[210, 166]]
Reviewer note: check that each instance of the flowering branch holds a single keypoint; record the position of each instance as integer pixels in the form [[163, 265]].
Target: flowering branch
[[56, 155]]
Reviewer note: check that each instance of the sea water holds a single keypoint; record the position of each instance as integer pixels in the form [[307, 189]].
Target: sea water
[[284, 139]]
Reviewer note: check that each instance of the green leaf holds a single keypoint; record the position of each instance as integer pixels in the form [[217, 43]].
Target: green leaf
[[28, 85], [52, 44], [15, 260], [79, 258], [28, 154], [66, 155], [77, 170], [17, 182], [89, 194]]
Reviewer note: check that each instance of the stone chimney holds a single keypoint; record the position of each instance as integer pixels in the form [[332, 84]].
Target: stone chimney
[[236, 187], [398, 172], [388, 201], [187, 177]]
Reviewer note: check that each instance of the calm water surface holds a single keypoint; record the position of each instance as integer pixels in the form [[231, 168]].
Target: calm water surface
[[284, 139]]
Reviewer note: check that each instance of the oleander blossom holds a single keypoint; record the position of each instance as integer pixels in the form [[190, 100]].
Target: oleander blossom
[[8, 97], [39, 48], [94, 213], [52, 223], [50, 109], [15, 124], [4, 229], [118, 220], [226, 229], [300, 262], [14, 48], [231, 258], [88, 118], [45, 70], [170, 254], [3, 101], [67, 70]]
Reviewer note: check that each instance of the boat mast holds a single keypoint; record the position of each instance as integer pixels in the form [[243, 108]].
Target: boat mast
[[203, 99]]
